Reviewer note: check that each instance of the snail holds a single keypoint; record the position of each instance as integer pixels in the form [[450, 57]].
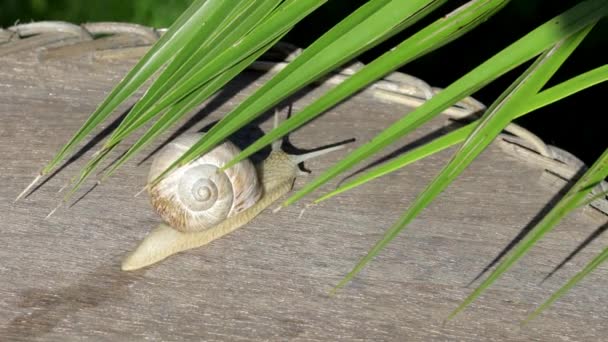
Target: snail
[[198, 203]]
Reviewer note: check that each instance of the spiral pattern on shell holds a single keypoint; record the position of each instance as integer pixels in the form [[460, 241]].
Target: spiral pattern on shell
[[197, 196]]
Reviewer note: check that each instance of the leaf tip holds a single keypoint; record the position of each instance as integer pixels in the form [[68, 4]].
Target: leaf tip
[[27, 189], [142, 190], [53, 211]]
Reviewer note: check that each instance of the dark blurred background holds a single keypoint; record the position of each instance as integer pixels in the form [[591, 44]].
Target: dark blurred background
[[578, 124]]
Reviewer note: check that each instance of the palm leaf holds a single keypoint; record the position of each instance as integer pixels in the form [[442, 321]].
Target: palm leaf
[[173, 41], [573, 198], [363, 29], [178, 35], [494, 120], [517, 53], [273, 27], [578, 83], [203, 62], [432, 37], [546, 97], [229, 22], [183, 107], [405, 159]]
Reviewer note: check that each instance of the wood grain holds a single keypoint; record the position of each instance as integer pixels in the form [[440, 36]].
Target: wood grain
[[60, 279]]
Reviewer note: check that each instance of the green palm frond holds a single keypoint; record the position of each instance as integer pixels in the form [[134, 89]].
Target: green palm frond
[[257, 26], [494, 120], [544, 98], [426, 40], [183, 107], [230, 52], [572, 200], [227, 24], [519, 52], [181, 32], [368, 26]]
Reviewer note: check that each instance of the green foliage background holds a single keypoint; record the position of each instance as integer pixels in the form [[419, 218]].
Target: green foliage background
[[157, 13]]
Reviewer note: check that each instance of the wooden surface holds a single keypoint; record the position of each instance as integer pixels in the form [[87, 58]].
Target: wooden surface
[[60, 278]]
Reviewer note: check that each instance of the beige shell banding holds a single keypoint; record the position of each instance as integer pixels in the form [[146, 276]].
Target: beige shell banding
[[198, 196]]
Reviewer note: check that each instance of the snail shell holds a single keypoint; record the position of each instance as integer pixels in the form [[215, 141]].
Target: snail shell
[[198, 196], [191, 199]]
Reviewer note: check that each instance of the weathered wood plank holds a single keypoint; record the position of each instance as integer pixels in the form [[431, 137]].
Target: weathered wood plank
[[60, 278]]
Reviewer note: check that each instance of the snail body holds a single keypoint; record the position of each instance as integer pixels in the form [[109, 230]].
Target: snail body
[[199, 203]]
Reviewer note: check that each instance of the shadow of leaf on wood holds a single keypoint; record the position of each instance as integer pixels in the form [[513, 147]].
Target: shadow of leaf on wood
[[44, 309], [531, 225], [594, 235], [409, 147]]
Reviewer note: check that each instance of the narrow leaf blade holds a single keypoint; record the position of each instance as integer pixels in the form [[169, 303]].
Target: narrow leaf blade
[[590, 267], [517, 53]]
